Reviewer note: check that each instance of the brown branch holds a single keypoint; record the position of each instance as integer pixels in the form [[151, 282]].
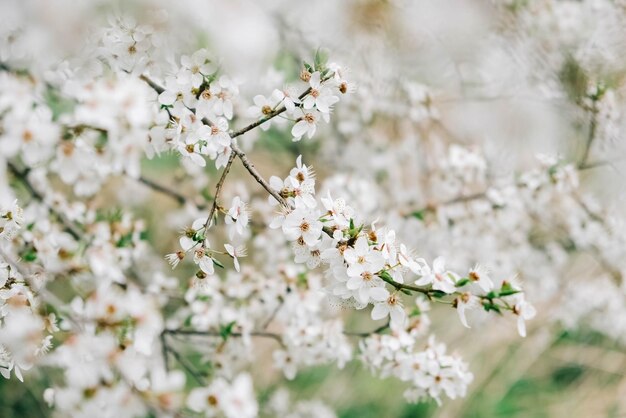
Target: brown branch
[[458, 199], [22, 176], [367, 334], [152, 84], [218, 189], [180, 198], [270, 115], [237, 151], [262, 334], [257, 176], [183, 362]]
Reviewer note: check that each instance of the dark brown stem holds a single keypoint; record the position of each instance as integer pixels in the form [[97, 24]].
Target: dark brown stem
[[262, 334], [181, 199], [152, 84], [257, 176], [218, 189]]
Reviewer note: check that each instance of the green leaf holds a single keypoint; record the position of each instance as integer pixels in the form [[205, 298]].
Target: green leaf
[[508, 292], [58, 103], [217, 263], [462, 282], [415, 312], [30, 255], [320, 60], [385, 275], [125, 241], [492, 295], [507, 289], [419, 214], [302, 279], [227, 330], [437, 294], [491, 307]]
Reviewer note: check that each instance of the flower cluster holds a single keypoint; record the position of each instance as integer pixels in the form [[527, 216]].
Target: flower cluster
[[25, 336], [362, 262], [431, 372], [106, 127]]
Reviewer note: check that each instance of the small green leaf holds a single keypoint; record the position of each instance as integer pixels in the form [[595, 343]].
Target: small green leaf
[[227, 330], [217, 263], [320, 60], [507, 289], [125, 241], [437, 294], [30, 255], [302, 279], [492, 295], [462, 282], [491, 307], [508, 292]]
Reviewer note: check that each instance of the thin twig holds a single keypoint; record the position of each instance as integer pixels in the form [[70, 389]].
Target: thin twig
[[164, 352], [367, 334], [593, 125], [269, 320], [458, 199], [181, 360], [270, 115], [152, 84], [257, 176], [181, 199], [402, 286], [218, 189], [45, 294], [262, 334], [22, 176]]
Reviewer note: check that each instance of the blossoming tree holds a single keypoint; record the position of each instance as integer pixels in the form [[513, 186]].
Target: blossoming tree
[[116, 140]]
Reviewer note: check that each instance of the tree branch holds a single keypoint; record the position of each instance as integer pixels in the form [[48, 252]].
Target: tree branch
[[22, 176], [218, 189], [262, 334], [257, 176], [181, 199]]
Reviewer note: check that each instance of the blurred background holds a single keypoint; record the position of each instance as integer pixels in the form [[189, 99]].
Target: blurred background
[[452, 98]]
